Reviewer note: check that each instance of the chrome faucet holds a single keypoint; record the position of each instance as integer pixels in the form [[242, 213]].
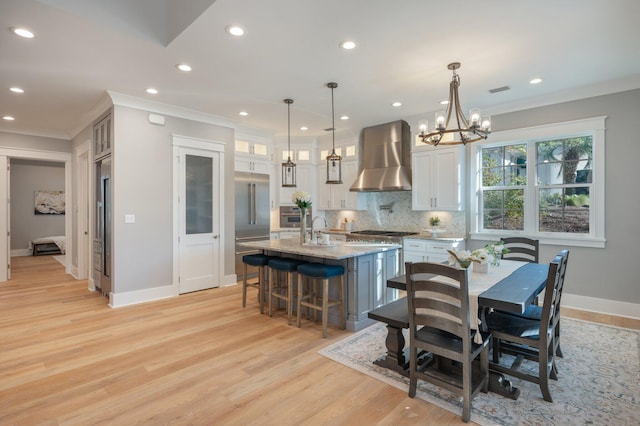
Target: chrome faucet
[[313, 232]]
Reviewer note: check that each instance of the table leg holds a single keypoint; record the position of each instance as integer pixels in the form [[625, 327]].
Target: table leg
[[397, 358], [499, 384]]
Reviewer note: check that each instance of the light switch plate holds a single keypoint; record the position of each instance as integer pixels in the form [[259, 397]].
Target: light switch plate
[[129, 218]]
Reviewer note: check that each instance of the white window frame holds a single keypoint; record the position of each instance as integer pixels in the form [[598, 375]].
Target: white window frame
[[589, 126]]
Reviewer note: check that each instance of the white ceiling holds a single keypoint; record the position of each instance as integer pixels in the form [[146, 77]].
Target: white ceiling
[[86, 47]]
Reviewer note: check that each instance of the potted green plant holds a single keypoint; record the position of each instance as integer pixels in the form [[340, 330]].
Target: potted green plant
[[434, 221]]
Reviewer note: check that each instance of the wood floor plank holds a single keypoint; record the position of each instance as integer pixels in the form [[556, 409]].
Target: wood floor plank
[[66, 358]]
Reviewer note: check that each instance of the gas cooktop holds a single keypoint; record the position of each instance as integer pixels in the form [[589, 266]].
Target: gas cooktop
[[381, 233]]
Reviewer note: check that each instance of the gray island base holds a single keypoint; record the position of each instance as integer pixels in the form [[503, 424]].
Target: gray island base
[[367, 268]]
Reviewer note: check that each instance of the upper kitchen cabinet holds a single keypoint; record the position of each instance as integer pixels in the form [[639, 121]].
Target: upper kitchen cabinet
[[437, 178], [254, 156], [304, 182], [299, 154], [338, 197], [102, 137]]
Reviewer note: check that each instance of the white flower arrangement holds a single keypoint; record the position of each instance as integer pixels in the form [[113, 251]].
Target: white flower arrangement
[[496, 248], [464, 258], [482, 256], [302, 199]]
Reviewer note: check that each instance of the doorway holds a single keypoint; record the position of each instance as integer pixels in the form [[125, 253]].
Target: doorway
[[6, 154]]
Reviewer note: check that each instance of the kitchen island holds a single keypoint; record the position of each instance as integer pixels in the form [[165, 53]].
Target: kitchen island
[[367, 268]]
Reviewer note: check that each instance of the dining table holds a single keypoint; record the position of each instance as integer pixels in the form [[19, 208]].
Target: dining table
[[511, 287]]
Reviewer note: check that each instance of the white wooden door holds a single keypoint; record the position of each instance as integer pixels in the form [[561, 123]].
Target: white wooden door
[[199, 222]]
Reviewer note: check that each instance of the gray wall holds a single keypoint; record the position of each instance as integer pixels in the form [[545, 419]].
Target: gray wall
[[143, 185], [14, 140], [27, 177], [609, 273]]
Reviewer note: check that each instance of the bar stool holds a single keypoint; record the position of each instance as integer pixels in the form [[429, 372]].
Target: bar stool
[[279, 288], [259, 260], [320, 273]]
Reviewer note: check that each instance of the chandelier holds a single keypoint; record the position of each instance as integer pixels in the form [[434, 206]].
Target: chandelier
[[288, 167], [463, 131], [334, 161]]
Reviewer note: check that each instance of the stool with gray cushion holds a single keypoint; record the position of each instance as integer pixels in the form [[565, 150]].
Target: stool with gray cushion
[[321, 274], [260, 261], [281, 276]]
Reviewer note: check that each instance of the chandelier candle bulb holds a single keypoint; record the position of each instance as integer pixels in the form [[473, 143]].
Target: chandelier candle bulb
[[475, 117], [440, 120]]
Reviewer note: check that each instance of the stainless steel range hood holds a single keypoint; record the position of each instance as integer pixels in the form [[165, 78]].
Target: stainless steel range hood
[[385, 158]]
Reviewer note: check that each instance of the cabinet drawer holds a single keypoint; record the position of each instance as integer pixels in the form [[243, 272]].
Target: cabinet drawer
[[439, 249], [415, 245]]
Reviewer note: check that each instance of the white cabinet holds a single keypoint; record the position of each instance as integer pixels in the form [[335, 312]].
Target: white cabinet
[[419, 250], [102, 137], [437, 179], [253, 157], [287, 235], [338, 197], [304, 182]]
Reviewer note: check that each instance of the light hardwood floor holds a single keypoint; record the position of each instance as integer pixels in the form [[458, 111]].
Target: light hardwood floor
[[201, 359]]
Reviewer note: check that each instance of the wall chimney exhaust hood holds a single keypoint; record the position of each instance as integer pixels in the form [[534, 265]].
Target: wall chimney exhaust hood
[[385, 158]]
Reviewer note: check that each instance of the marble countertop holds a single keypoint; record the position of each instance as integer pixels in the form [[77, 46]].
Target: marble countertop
[[427, 236], [421, 235], [336, 251]]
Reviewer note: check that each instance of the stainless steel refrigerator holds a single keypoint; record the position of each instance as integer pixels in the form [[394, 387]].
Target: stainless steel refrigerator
[[253, 216]]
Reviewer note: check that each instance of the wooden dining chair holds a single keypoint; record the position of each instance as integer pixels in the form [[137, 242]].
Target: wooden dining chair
[[439, 324], [531, 339], [522, 249], [534, 312]]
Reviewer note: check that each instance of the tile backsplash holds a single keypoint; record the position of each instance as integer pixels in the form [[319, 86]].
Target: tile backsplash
[[396, 215]]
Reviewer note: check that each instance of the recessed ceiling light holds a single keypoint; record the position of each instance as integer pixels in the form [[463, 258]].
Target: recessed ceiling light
[[243, 113], [22, 32], [535, 80], [445, 102], [16, 90], [152, 91], [184, 67], [396, 104], [344, 117], [235, 30], [8, 118], [348, 44], [304, 128]]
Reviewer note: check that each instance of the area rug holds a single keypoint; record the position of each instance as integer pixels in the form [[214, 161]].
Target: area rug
[[598, 379]]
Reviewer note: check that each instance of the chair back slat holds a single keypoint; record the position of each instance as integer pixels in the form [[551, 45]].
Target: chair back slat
[[553, 292], [522, 249], [435, 303]]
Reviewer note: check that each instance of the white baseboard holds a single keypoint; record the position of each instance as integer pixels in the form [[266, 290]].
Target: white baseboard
[[20, 252], [229, 280], [603, 306], [117, 300]]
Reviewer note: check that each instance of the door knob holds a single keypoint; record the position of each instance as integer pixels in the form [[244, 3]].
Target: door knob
[[215, 237]]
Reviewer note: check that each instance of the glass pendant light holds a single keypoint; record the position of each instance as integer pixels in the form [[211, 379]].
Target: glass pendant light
[[334, 161], [289, 167]]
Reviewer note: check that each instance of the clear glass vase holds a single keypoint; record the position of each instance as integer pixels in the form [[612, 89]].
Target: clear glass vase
[[303, 225]]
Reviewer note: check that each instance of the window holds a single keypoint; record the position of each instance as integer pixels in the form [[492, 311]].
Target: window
[[546, 182]]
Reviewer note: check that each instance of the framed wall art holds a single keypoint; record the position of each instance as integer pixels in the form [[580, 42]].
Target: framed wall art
[[49, 202]]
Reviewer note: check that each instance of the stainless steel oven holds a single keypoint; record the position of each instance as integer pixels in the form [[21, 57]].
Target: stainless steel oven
[[290, 217]]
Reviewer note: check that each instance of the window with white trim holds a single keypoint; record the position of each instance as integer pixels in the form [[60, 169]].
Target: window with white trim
[[545, 182]]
